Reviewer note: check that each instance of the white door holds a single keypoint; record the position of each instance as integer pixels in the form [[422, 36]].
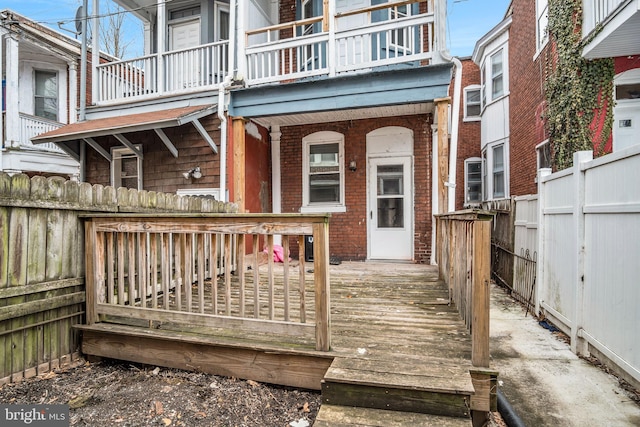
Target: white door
[[184, 68], [350, 50], [390, 208]]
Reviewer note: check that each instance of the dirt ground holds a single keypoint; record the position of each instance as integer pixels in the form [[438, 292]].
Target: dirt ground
[[113, 393]]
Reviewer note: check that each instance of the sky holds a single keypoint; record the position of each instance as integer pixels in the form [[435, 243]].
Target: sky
[[468, 20]]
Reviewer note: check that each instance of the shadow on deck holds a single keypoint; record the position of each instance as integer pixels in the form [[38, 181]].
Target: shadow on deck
[[397, 345]]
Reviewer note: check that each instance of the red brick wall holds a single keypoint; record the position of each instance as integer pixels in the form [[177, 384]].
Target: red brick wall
[[468, 132], [526, 102], [348, 231], [161, 171]]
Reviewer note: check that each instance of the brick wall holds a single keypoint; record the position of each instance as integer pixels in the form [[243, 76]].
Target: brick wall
[[526, 82], [468, 132], [348, 231], [161, 171]]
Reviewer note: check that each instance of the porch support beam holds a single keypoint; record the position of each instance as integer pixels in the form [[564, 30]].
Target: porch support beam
[[104, 153], [128, 144], [239, 156], [203, 133], [167, 142], [442, 114], [75, 156]]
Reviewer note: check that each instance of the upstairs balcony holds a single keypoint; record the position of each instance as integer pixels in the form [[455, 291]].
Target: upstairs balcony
[[330, 38], [613, 27], [176, 72], [340, 41]]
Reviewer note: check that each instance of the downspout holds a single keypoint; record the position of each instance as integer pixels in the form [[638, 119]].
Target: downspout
[[453, 142], [222, 89]]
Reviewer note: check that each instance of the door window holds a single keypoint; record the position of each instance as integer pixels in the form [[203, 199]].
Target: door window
[[390, 196]]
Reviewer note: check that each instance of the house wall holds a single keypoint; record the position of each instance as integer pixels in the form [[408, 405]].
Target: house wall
[[348, 230], [161, 171], [468, 131], [527, 76]]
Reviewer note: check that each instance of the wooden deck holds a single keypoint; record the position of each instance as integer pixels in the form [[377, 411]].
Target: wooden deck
[[397, 345]]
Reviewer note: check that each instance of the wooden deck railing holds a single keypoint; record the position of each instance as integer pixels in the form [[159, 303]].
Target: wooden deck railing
[[463, 254], [204, 270]]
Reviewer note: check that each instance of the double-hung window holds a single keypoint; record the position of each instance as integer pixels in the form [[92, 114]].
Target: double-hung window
[[498, 172], [495, 171], [46, 95], [323, 173], [472, 103], [126, 168], [472, 181], [542, 20], [497, 75]]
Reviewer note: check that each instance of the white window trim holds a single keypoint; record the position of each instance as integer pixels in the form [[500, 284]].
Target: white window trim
[[221, 7], [36, 96], [539, 148], [116, 154], [321, 138], [466, 181], [486, 94], [466, 117], [487, 174], [541, 39]]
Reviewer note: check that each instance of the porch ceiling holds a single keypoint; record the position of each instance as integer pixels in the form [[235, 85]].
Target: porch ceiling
[[391, 92], [69, 137]]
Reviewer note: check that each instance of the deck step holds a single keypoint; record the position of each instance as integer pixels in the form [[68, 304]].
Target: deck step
[[437, 388], [343, 416]]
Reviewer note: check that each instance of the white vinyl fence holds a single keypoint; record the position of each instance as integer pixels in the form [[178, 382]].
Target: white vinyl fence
[[588, 270]]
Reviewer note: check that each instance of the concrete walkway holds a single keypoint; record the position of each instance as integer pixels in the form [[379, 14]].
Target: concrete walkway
[[545, 383]]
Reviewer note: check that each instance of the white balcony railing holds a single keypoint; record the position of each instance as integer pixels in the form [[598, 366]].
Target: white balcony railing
[[31, 126], [328, 52], [167, 73], [596, 12]]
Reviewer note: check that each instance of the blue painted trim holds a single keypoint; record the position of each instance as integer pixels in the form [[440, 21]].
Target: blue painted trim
[[374, 89]]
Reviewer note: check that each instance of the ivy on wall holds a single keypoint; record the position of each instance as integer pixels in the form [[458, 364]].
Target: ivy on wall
[[576, 88]]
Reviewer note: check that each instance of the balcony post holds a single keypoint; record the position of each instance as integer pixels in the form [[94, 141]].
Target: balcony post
[[162, 45], [329, 24], [12, 116]]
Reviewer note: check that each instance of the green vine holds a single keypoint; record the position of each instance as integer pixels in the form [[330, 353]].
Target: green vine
[[577, 90]]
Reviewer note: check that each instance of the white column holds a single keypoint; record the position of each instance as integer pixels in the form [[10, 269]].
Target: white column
[[331, 60], [276, 183], [72, 102], [12, 115], [241, 19], [2, 33], [161, 27], [95, 53]]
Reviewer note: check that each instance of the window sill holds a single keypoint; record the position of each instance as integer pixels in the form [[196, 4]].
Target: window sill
[[472, 119], [323, 209]]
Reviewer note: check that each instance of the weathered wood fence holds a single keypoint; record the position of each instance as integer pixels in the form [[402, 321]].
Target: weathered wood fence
[[463, 246], [191, 270], [42, 284]]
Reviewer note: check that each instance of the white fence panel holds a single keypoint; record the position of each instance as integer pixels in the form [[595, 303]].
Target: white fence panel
[[526, 224], [589, 256], [557, 295], [612, 257]]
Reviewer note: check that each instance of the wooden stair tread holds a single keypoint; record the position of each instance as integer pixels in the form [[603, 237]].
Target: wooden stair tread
[[344, 416], [447, 378]]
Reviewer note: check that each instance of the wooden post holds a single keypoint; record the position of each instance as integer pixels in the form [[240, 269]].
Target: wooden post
[[442, 111], [480, 293], [322, 289], [89, 233], [238, 162], [325, 15]]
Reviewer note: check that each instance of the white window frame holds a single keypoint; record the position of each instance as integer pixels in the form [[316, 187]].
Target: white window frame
[[467, 104], [542, 21], [322, 138], [117, 154], [221, 8], [467, 181], [540, 151], [37, 96], [498, 76], [489, 171]]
